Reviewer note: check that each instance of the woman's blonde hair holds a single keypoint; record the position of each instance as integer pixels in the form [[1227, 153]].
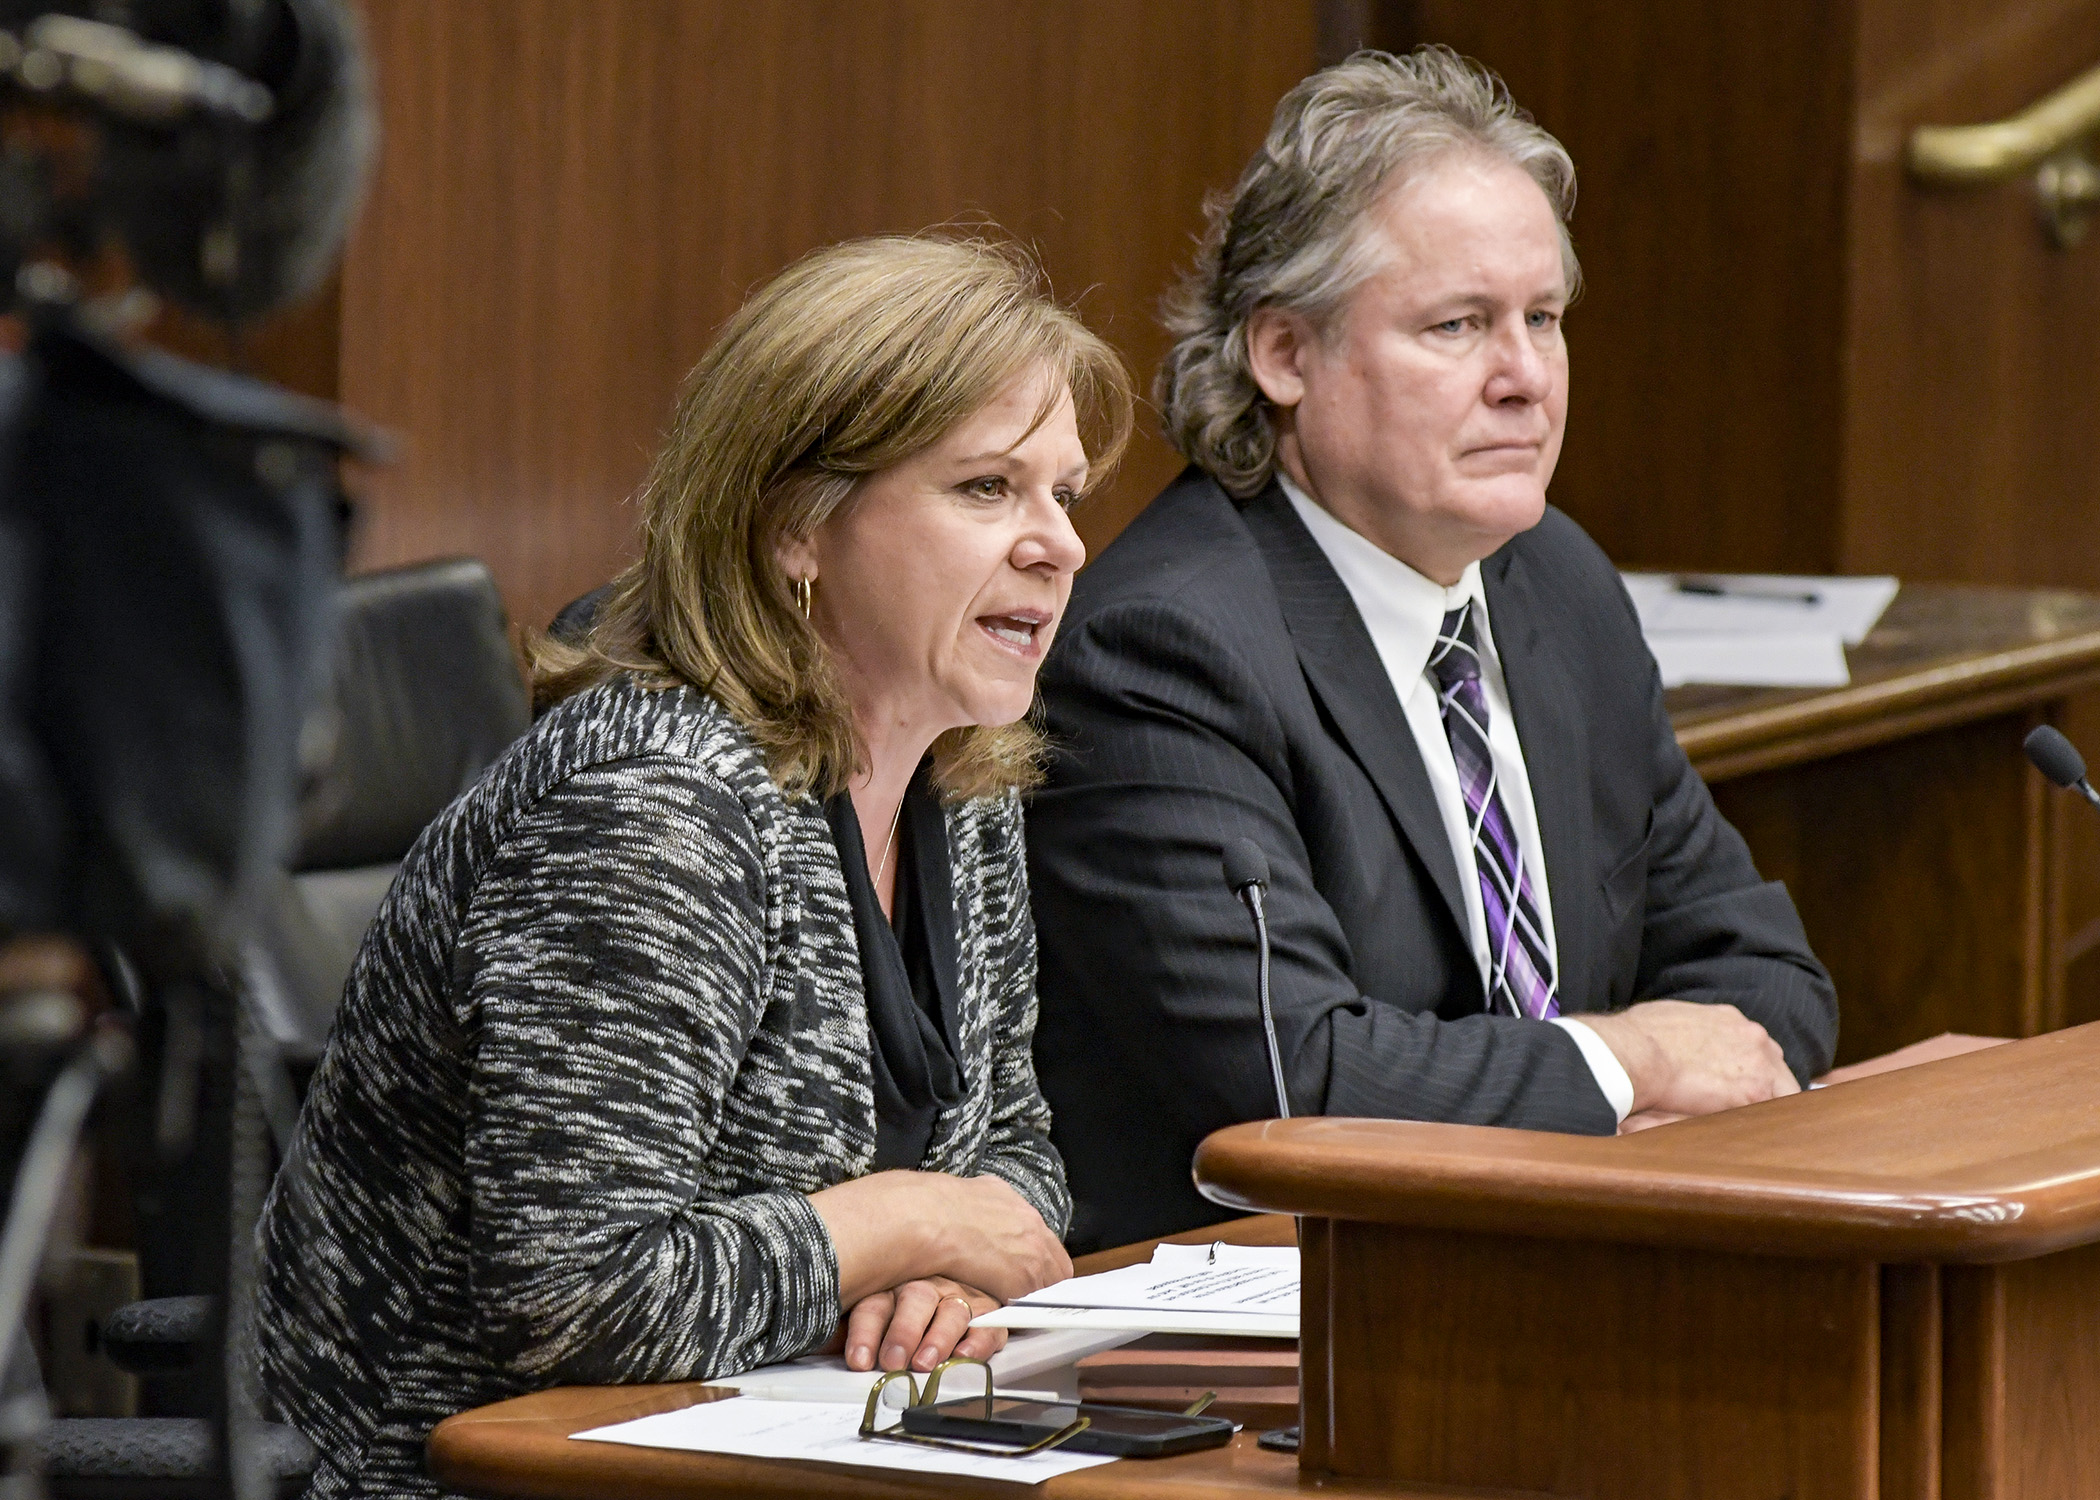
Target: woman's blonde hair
[[850, 361]]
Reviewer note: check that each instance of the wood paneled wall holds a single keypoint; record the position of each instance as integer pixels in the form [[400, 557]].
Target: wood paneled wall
[[1972, 357], [1974, 361], [572, 194]]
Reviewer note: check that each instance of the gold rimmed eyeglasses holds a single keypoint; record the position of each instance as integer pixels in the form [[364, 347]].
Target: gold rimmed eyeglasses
[[896, 1390]]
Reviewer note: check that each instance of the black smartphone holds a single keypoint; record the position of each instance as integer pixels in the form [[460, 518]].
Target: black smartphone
[[1125, 1431]]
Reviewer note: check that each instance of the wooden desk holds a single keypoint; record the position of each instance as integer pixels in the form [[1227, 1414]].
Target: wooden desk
[[1926, 857], [1884, 1290], [521, 1448]]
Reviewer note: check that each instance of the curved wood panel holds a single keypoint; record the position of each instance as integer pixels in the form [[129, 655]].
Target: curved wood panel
[[1605, 1371], [1938, 1162]]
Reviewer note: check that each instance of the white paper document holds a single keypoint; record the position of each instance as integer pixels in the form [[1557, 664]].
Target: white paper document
[[1759, 604], [821, 1432], [1241, 1290], [1033, 1363], [1800, 660], [1755, 629]]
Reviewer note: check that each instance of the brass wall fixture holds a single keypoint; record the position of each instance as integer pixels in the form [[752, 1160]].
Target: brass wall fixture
[[2051, 138]]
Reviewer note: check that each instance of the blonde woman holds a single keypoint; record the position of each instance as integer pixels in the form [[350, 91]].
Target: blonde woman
[[698, 1034]]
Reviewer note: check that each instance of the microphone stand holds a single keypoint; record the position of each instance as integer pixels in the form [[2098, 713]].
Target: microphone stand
[[1247, 873], [1250, 895]]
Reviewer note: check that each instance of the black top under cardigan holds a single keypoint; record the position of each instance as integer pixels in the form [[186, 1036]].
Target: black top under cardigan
[[908, 961]]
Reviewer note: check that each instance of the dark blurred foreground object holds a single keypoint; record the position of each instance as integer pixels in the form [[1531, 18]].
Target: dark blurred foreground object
[[231, 143], [169, 544], [53, 1062], [167, 1458], [424, 694], [572, 623]]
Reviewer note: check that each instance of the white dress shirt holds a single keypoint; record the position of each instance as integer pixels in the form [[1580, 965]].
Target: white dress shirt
[[1403, 612]]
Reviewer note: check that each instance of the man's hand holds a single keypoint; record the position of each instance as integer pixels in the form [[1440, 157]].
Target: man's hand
[[1687, 1059]]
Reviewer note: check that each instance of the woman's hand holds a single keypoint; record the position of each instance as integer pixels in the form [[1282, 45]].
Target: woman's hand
[[894, 1227], [918, 1325], [995, 1239]]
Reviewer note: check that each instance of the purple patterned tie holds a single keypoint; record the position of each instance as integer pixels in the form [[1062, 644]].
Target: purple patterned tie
[[1520, 966]]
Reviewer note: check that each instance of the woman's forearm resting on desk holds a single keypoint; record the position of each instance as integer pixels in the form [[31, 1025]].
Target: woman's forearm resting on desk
[[700, 1030], [915, 1248]]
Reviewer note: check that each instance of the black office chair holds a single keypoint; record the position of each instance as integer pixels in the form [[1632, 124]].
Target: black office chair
[[425, 695]]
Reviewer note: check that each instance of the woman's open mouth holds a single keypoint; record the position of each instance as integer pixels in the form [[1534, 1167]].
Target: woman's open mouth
[[1020, 632]]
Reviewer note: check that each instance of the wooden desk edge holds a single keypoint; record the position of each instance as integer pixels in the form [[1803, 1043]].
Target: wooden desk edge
[[1745, 742], [1686, 1189], [1768, 1218]]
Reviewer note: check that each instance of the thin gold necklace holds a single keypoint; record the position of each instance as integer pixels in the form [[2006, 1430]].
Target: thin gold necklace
[[890, 843]]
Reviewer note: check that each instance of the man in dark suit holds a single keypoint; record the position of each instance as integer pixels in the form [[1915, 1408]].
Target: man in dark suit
[[1354, 632]]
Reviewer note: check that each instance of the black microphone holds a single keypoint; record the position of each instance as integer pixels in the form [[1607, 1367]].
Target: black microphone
[[1247, 872], [2058, 759]]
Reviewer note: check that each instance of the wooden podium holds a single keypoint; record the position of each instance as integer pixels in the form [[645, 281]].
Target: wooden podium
[[1887, 1288]]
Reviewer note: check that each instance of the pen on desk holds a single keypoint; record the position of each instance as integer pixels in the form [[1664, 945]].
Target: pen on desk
[[1722, 588]]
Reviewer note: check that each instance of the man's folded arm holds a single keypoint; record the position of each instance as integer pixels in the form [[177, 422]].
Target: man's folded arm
[[1170, 750]]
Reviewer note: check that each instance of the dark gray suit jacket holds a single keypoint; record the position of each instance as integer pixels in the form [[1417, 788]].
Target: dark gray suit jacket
[[1213, 680]]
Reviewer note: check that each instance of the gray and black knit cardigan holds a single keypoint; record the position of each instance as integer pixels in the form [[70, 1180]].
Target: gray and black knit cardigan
[[605, 1036]]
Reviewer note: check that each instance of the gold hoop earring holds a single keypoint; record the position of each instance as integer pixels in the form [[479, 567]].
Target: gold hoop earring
[[805, 590]]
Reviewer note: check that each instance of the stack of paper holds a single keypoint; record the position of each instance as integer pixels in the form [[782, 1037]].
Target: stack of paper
[[810, 1409], [1238, 1290], [1756, 629], [1253, 1381]]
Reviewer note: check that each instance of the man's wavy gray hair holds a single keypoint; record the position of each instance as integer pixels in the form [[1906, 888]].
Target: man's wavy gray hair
[[1294, 233]]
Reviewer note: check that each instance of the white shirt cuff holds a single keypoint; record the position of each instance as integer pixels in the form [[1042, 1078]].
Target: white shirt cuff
[[1604, 1064]]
